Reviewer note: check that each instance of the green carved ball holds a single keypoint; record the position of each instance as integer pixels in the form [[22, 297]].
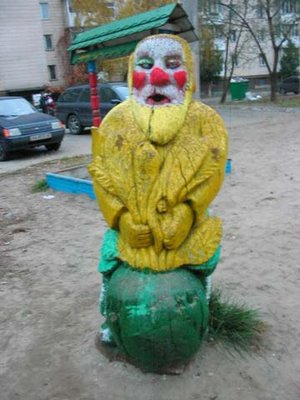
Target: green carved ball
[[158, 320]]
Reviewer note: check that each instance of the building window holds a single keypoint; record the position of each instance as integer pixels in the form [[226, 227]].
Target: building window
[[215, 7], [262, 62], [233, 36], [112, 7], [221, 54], [235, 60], [232, 11], [71, 6], [52, 72], [211, 7], [44, 10], [217, 31], [294, 31], [261, 35], [48, 42], [290, 30], [288, 7], [260, 11]]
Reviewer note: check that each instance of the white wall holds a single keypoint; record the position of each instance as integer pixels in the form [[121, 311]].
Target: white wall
[[23, 59]]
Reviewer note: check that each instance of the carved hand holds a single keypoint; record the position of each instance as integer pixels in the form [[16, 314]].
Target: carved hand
[[176, 225], [137, 235]]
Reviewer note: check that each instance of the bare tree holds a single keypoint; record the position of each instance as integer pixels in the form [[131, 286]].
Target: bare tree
[[230, 36], [279, 19], [211, 59]]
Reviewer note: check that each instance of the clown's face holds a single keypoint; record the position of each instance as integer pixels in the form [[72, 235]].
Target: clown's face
[[159, 75]]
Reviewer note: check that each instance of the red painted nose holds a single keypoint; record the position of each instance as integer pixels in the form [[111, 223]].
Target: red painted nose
[[158, 77]]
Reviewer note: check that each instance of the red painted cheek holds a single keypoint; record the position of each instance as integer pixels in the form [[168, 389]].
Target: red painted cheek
[[180, 78], [138, 79]]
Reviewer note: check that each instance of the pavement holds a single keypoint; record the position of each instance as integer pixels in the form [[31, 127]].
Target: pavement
[[72, 145]]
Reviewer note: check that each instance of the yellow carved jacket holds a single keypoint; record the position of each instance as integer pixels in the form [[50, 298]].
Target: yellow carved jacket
[[132, 174]]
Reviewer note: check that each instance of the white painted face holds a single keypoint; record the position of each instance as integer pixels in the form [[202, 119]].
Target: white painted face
[[159, 75]]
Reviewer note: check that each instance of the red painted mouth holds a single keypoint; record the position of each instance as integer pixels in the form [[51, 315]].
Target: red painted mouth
[[157, 99]]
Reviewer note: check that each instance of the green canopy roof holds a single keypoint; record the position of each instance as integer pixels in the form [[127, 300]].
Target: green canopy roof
[[119, 38]]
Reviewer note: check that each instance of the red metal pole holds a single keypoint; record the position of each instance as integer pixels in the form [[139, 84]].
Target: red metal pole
[[95, 101]]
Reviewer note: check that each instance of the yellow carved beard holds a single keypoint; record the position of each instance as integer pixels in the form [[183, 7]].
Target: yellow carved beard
[[161, 124]]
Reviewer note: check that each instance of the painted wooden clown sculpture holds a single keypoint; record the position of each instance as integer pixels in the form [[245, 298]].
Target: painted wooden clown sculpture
[[158, 162]]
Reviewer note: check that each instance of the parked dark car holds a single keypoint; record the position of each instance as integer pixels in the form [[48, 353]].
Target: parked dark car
[[22, 126], [290, 84], [73, 106]]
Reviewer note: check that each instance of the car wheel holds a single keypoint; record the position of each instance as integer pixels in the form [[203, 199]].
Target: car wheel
[[74, 125], [53, 146], [297, 92], [282, 91], [3, 153]]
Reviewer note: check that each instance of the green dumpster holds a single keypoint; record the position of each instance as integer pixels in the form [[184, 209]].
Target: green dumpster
[[238, 89]]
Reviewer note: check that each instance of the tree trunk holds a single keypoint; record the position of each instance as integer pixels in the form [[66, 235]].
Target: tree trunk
[[273, 82], [226, 85], [209, 89]]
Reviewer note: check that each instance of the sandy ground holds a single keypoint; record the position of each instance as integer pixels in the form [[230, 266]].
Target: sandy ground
[[49, 285]]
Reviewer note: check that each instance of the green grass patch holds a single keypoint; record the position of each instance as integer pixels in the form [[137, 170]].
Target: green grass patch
[[282, 101], [234, 325], [75, 160], [40, 186], [288, 102]]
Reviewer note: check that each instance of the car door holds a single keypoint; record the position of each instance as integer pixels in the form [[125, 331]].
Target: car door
[[67, 104], [108, 99], [289, 84], [296, 81], [84, 107]]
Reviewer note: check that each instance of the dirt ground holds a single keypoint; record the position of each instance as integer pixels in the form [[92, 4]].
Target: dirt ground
[[49, 283]]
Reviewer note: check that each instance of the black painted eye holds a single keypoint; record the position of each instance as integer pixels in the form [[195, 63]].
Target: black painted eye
[[146, 63], [173, 62]]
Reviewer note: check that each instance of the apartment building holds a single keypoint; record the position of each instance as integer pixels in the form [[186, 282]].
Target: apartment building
[[29, 53], [33, 50]]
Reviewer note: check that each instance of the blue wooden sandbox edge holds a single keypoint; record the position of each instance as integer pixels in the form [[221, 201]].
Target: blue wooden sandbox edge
[[69, 184], [228, 166]]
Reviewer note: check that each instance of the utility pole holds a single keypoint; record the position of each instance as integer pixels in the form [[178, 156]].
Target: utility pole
[[191, 8]]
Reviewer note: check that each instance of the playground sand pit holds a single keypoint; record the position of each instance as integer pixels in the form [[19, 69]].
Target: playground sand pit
[[49, 285]]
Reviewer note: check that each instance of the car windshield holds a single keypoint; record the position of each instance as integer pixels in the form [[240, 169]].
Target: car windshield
[[122, 91], [15, 107]]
